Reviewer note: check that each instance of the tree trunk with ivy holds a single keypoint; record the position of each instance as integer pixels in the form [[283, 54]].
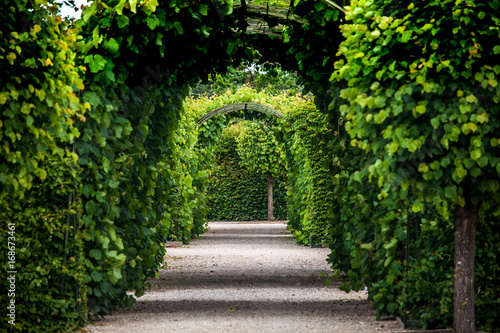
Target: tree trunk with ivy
[[465, 239], [270, 205]]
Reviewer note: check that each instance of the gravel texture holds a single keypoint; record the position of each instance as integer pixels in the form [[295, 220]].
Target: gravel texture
[[245, 277]]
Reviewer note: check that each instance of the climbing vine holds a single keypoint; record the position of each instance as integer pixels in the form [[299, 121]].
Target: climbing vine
[[102, 161], [40, 206], [420, 100]]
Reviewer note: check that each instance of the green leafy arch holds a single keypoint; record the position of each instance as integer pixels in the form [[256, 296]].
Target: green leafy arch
[[125, 76]]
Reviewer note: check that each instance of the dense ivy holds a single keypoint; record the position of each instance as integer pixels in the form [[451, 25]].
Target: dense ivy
[[420, 104], [309, 198], [40, 205], [235, 192], [100, 166]]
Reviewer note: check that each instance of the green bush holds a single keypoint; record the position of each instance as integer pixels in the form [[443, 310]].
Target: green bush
[[236, 193], [309, 198], [40, 205], [419, 105]]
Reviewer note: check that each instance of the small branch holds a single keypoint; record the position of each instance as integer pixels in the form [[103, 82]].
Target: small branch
[[333, 4]]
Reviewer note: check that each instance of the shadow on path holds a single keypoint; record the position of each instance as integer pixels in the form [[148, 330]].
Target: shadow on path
[[242, 277]]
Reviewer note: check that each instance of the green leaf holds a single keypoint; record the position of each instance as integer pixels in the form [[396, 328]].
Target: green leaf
[[3, 98], [95, 253], [133, 5], [435, 123], [391, 244], [113, 183], [123, 21], [119, 7], [461, 172], [42, 174], [413, 146], [96, 62], [152, 22], [475, 154], [121, 159], [152, 4], [345, 286], [203, 9], [178, 26], [490, 185], [111, 45], [450, 191], [420, 109], [96, 276], [89, 11], [106, 119], [366, 246], [423, 167]]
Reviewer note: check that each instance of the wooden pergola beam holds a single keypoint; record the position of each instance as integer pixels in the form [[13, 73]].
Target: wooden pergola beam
[[242, 106]]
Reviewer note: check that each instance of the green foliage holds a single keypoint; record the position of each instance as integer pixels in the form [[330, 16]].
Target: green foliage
[[236, 193], [487, 270], [46, 238], [259, 151], [187, 205], [37, 96], [269, 77], [420, 104], [39, 201], [309, 200], [435, 108]]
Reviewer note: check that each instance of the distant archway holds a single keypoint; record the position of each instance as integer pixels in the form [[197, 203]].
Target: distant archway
[[242, 106]]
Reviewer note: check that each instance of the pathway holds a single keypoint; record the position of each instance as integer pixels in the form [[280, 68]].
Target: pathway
[[245, 277]]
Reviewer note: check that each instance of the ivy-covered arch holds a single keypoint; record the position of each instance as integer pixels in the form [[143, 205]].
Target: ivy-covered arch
[[90, 133], [296, 150], [124, 70]]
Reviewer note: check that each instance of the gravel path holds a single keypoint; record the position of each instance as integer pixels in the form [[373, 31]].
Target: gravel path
[[245, 277]]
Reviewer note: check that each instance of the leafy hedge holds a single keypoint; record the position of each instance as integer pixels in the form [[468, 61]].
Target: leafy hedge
[[40, 205], [418, 107], [304, 139], [98, 107], [236, 193], [309, 198]]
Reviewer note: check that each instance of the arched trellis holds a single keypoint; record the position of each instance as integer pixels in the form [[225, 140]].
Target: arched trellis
[[242, 106]]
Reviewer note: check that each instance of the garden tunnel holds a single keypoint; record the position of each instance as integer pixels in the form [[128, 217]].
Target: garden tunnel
[[267, 146], [92, 114], [141, 82], [292, 123], [113, 131]]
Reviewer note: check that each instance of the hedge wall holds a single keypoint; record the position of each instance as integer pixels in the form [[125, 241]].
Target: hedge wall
[[392, 227], [236, 193], [305, 141], [40, 203]]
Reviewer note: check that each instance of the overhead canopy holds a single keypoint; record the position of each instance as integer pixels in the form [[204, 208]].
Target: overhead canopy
[[270, 17]]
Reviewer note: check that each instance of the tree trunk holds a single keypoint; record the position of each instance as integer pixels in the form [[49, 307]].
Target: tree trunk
[[270, 204], [465, 241]]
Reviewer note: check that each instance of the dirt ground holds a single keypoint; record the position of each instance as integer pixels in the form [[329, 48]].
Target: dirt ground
[[246, 277]]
